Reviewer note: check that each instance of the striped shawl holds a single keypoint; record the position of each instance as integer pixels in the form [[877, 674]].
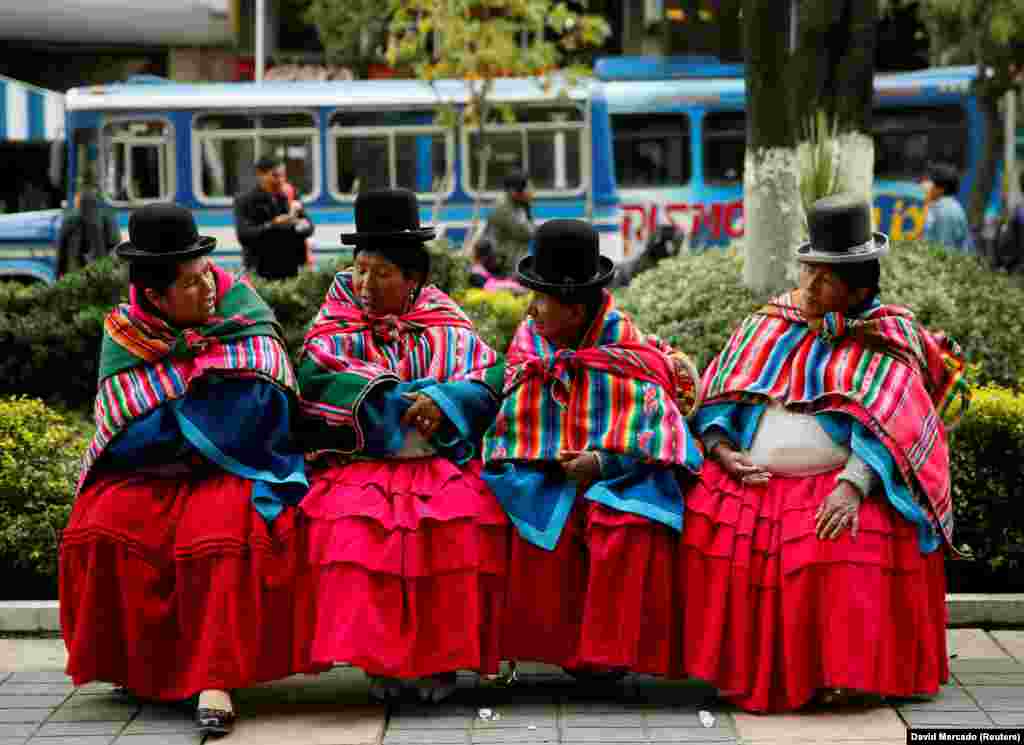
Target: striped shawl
[[620, 391], [145, 362], [347, 353], [883, 368]]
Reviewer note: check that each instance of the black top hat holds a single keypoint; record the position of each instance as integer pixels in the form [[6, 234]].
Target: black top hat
[[387, 214], [161, 233], [566, 260], [841, 232]]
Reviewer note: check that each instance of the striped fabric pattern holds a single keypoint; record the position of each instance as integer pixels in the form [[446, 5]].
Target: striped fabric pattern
[[142, 367], [434, 340], [28, 113], [883, 368], [617, 393]]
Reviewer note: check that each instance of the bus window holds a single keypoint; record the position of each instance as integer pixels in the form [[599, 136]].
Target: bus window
[[227, 147], [651, 149], [545, 141], [137, 165], [725, 142], [908, 139], [389, 150]]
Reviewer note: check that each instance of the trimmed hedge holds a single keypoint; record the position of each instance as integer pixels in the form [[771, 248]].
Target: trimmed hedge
[[695, 302], [987, 453], [40, 455]]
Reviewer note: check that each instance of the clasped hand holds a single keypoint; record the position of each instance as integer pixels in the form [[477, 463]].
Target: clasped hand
[[738, 465], [582, 466], [424, 414]]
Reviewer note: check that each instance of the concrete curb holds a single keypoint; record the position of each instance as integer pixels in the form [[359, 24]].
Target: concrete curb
[[965, 609], [978, 609], [25, 616]]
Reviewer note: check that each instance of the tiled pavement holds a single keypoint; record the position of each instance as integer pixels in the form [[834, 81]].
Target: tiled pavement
[[38, 705]]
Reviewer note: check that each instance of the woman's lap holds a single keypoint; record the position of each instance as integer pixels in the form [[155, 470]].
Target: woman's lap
[[170, 586], [411, 560], [770, 613], [601, 599]]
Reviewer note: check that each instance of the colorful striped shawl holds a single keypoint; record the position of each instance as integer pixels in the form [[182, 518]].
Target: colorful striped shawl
[[617, 392], [132, 336], [146, 363], [347, 352], [882, 368]]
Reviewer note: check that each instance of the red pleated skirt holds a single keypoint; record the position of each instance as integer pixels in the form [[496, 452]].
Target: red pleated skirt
[[411, 559], [169, 586], [603, 598], [771, 614]]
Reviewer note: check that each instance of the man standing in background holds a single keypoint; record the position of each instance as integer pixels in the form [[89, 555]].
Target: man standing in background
[[510, 227], [271, 228], [946, 222]]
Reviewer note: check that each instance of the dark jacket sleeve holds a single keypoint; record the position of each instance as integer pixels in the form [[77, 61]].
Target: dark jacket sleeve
[[248, 230]]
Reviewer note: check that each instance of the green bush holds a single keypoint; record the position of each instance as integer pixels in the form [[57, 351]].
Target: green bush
[[495, 315], [99, 284], [695, 302], [986, 453], [40, 455]]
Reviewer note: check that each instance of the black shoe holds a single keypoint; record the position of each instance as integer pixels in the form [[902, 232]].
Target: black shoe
[[214, 721]]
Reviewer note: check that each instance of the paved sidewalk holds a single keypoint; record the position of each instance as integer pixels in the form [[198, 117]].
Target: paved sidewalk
[[38, 705]]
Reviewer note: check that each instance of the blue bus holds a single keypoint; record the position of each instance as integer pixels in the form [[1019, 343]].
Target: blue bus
[[679, 136], [195, 144], [647, 142]]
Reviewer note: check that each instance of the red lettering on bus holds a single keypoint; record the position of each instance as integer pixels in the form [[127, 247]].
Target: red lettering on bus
[[734, 210]]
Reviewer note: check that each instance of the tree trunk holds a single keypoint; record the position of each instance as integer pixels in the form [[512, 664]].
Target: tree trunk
[[981, 190], [833, 64], [833, 69], [773, 215], [730, 33]]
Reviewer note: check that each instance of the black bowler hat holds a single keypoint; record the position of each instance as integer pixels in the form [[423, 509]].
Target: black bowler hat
[[387, 215], [841, 232], [164, 233], [566, 260]]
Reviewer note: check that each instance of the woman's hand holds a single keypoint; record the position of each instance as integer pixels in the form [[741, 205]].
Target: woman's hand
[[582, 466], [739, 466], [424, 415], [841, 509]]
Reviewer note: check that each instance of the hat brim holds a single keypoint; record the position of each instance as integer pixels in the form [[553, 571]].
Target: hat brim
[[130, 252], [420, 234], [879, 247], [529, 278]]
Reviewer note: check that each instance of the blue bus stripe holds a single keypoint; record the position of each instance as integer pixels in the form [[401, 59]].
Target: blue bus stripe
[[3, 109], [36, 115]]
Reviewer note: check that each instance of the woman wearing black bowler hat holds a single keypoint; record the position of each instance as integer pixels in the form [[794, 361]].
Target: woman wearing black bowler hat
[[588, 455], [812, 556], [180, 568], [409, 544]]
